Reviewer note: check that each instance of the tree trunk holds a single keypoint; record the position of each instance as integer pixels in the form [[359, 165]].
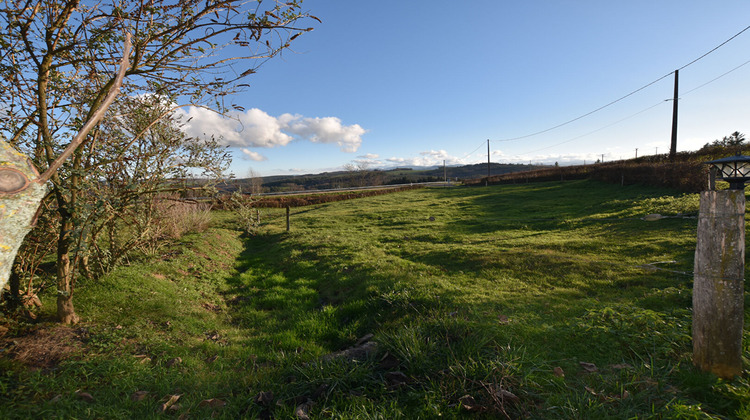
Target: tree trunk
[[22, 189], [65, 310], [13, 301]]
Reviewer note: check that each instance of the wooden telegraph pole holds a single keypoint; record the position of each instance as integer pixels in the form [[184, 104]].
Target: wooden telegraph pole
[[488, 159], [673, 147]]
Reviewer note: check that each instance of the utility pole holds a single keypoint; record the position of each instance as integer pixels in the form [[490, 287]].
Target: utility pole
[[636, 153], [488, 160], [445, 172], [673, 148], [602, 157]]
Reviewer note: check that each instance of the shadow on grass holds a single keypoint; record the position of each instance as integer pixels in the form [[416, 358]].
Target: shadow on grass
[[553, 286]]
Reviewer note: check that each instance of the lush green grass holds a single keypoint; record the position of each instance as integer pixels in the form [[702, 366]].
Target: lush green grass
[[487, 300]]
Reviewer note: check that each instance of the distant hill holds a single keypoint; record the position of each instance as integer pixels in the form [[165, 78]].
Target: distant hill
[[345, 179]]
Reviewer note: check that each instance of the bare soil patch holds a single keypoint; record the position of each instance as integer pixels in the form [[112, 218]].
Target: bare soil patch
[[44, 348]]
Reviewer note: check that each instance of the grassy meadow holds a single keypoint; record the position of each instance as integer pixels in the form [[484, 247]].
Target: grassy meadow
[[549, 300]]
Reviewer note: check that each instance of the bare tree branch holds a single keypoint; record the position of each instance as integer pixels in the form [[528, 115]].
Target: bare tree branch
[[94, 120]]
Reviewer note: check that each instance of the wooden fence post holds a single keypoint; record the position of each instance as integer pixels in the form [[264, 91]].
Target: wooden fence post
[[718, 285], [287, 219]]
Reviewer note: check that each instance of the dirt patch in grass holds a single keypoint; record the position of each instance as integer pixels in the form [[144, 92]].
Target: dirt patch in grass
[[44, 348]]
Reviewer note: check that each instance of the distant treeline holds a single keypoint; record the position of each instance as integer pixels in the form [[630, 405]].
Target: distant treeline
[[361, 178], [301, 200], [687, 172]]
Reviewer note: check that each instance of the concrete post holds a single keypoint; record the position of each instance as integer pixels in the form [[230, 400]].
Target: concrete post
[[718, 285], [711, 179]]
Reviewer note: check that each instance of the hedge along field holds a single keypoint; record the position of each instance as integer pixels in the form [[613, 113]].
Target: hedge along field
[[548, 300]]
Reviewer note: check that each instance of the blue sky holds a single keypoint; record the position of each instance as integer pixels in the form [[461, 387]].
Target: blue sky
[[399, 83]]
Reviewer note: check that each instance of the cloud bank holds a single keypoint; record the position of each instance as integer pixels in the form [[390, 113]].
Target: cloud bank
[[255, 128], [427, 158]]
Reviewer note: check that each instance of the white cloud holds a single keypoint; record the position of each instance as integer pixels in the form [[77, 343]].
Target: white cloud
[[427, 158], [256, 128], [369, 156], [249, 154]]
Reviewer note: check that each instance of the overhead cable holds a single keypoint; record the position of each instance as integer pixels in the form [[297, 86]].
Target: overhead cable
[[598, 129], [625, 96], [716, 78], [715, 48]]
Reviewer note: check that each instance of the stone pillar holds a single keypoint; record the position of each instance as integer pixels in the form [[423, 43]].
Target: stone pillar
[[718, 285]]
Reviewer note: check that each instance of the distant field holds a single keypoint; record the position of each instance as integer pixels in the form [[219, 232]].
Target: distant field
[[551, 300]]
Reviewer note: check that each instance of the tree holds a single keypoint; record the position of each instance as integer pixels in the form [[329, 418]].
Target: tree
[[256, 182], [360, 172], [56, 65], [144, 158], [735, 139]]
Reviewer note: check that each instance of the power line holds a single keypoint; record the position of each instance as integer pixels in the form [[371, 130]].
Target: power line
[[479, 147], [717, 78], [625, 96], [586, 114], [715, 48], [598, 129], [639, 112]]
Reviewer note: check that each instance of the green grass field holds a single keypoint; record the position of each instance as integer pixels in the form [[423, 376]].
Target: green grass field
[[552, 300]]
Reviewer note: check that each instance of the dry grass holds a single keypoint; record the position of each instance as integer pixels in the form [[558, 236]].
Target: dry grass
[[179, 217]]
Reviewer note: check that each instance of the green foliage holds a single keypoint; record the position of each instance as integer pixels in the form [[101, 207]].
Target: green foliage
[[57, 59], [733, 140], [241, 206]]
